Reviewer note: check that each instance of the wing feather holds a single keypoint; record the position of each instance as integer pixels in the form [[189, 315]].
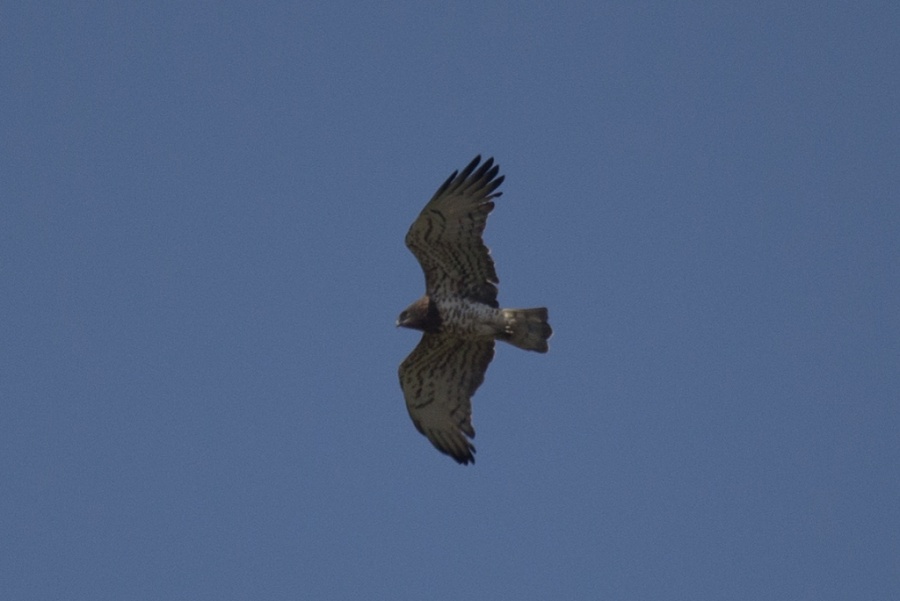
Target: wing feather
[[446, 238], [438, 380]]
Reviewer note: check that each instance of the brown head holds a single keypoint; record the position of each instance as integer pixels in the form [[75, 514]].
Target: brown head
[[421, 315]]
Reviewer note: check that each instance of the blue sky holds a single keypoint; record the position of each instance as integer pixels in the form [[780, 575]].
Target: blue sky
[[201, 235]]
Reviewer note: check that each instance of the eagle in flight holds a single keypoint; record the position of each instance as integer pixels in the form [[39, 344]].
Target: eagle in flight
[[459, 313]]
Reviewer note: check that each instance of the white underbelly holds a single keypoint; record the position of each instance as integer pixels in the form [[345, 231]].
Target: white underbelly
[[469, 318]]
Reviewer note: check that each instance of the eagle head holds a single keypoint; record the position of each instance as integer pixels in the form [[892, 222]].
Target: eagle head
[[421, 315]]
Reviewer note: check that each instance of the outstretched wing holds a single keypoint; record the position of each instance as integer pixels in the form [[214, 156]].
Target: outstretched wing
[[438, 379], [446, 237]]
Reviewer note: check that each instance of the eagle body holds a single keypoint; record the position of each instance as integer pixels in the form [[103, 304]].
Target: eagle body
[[473, 320], [459, 314], [459, 317]]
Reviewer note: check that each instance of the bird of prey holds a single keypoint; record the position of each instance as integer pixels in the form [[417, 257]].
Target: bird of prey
[[459, 313]]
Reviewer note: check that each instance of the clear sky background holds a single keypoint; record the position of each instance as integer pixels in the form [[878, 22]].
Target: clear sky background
[[201, 258]]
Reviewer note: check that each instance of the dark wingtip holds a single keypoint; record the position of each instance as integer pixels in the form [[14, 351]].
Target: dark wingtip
[[465, 459], [485, 179], [463, 456], [470, 168]]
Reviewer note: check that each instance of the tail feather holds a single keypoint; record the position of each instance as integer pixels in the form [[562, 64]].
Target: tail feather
[[527, 329]]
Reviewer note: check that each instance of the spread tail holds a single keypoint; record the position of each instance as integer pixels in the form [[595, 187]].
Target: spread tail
[[527, 329]]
